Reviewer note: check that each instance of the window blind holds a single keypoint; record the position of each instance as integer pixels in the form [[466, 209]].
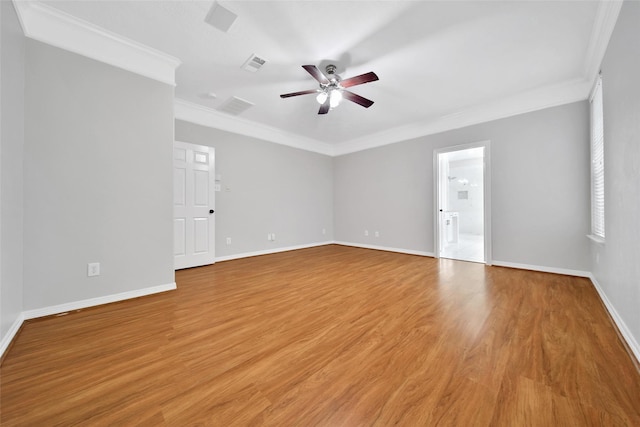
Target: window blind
[[597, 161]]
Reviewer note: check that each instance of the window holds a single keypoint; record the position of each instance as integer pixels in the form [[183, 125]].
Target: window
[[597, 162]]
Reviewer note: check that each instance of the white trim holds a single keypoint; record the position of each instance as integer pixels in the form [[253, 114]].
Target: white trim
[[436, 204], [92, 302], [597, 83], [596, 239], [386, 248], [544, 269], [200, 115], [597, 163], [271, 251], [52, 26], [486, 195], [11, 334], [604, 23], [622, 326], [488, 239], [546, 97], [538, 99]]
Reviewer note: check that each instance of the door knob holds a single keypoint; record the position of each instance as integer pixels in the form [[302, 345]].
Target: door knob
[[211, 211]]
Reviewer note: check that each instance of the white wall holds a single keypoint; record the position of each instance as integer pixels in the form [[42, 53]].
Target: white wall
[[616, 264], [273, 189], [12, 52], [540, 189], [98, 179]]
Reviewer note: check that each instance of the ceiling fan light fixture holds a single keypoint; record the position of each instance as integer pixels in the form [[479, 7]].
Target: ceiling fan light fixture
[[335, 98], [322, 97]]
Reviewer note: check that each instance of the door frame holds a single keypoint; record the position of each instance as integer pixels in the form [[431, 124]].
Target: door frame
[[210, 258], [486, 195]]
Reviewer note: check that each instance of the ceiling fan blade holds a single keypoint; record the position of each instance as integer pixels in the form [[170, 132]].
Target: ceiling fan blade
[[324, 108], [303, 92], [366, 103], [358, 80], [316, 74]]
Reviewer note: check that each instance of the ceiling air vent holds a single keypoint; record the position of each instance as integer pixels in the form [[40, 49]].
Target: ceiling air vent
[[220, 17], [235, 106], [253, 64]]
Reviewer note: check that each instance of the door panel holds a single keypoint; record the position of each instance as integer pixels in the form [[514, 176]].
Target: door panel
[[179, 237], [201, 241], [179, 186], [201, 188]]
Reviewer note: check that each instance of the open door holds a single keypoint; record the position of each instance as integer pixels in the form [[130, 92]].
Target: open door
[[462, 226], [193, 205]]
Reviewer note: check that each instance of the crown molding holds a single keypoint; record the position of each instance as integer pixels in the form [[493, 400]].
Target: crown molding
[[603, 26], [538, 99], [49, 25], [533, 100], [200, 115]]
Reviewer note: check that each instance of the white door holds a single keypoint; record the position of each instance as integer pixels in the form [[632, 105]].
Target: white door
[[463, 223], [193, 205]]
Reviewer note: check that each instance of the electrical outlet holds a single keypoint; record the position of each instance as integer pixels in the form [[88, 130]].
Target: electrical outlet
[[273, 236], [377, 234], [269, 236], [324, 231], [93, 269], [366, 232], [228, 240]]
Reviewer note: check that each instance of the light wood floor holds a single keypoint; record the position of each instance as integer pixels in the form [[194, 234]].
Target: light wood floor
[[331, 336]]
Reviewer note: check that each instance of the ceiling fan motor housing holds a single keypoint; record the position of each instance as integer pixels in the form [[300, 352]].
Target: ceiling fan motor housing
[[331, 73]]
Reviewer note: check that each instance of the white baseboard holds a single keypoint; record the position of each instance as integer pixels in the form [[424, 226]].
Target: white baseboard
[[385, 248], [565, 271], [622, 327], [11, 334], [271, 251], [92, 302]]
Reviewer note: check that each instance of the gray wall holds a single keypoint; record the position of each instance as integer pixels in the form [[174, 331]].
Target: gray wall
[[616, 264], [540, 189], [98, 179], [273, 189], [11, 148]]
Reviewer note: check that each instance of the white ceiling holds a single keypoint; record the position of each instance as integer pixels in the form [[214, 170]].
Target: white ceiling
[[441, 64]]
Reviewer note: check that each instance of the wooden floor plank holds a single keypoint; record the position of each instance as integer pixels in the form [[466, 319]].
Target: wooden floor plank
[[330, 336]]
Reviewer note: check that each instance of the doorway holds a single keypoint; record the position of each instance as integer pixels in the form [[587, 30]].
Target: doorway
[[462, 228], [193, 205]]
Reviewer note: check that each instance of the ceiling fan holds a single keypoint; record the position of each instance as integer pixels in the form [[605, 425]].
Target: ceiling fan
[[333, 89]]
